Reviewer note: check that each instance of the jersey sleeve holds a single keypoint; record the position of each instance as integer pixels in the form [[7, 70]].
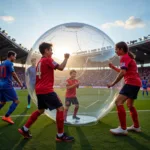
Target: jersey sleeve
[[67, 82], [124, 63], [53, 64], [10, 67]]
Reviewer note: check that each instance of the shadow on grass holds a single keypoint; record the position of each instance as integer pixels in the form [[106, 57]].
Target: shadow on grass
[[85, 145], [10, 137], [20, 118], [145, 136], [10, 133], [133, 142], [20, 144]]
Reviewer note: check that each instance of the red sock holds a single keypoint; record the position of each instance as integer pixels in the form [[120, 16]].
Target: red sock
[[75, 111], [32, 118], [60, 121], [122, 116], [65, 114], [134, 116]]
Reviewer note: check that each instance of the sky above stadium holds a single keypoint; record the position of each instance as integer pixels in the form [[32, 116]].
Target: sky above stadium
[[27, 20]]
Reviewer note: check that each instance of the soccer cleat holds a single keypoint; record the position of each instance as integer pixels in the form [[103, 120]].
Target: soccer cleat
[[26, 134], [132, 128], [28, 106], [75, 117], [7, 119], [119, 131], [64, 138]]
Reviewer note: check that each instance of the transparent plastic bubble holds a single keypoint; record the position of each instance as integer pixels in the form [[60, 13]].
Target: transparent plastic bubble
[[90, 52]]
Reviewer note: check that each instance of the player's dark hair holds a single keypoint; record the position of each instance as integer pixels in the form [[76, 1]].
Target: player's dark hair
[[72, 71], [124, 47], [11, 53], [144, 78], [44, 46]]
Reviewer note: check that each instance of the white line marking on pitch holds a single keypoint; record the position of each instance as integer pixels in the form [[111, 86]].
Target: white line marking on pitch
[[129, 111], [19, 116], [109, 112]]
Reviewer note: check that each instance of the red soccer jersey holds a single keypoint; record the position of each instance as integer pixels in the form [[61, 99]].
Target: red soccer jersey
[[71, 93], [131, 77], [45, 75]]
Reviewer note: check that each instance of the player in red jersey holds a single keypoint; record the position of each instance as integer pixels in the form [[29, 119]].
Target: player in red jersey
[[46, 97], [128, 70], [71, 85]]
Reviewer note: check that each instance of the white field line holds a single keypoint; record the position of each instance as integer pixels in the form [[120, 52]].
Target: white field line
[[112, 112], [90, 104], [129, 111]]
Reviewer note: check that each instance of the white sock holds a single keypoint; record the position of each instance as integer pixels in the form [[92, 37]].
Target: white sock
[[25, 128], [60, 134]]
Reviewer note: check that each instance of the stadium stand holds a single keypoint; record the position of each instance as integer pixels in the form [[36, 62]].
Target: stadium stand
[[7, 44], [141, 48]]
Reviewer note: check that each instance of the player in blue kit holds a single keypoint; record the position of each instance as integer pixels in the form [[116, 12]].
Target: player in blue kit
[[31, 73], [7, 92], [144, 86]]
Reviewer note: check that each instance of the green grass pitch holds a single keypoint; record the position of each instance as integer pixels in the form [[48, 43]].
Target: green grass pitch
[[95, 137]]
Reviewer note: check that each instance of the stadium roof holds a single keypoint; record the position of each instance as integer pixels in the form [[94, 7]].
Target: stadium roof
[[141, 50], [8, 44]]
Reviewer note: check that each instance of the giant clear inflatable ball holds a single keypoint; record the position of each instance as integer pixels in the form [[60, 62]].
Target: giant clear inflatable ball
[[91, 50]]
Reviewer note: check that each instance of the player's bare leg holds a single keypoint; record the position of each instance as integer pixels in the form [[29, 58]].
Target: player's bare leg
[[25, 129], [12, 107], [61, 136]]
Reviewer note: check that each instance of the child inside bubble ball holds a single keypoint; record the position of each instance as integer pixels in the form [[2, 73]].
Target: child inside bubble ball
[[71, 85]]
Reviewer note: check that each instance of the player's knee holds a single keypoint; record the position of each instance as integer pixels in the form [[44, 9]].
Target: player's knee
[[117, 102], [41, 111], [129, 106], [67, 104], [76, 106], [17, 101], [3, 103], [60, 108], [66, 107]]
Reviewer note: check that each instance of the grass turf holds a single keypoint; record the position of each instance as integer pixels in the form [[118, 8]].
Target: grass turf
[[95, 137]]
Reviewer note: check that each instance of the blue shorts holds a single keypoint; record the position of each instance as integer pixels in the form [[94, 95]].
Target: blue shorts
[[145, 88], [130, 91], [8, 95]]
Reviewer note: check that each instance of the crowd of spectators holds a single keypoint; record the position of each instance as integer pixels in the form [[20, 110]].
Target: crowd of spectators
[[21, 74], [86, 77], [145, 72]]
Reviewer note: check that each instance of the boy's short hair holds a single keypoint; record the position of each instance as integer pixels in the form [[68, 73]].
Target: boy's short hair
[[72, 71], [44, 46]]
